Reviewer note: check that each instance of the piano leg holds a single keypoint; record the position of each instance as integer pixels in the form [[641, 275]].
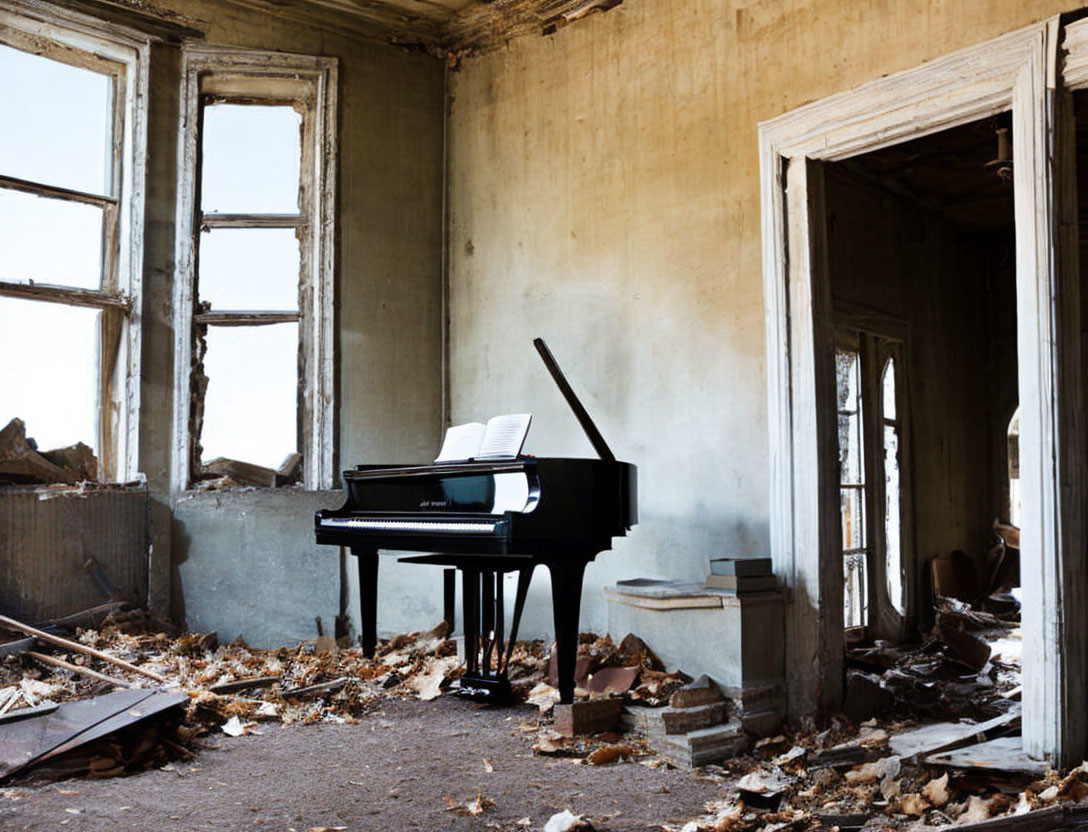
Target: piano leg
[[470, 594], [368, 597], [566, 605]]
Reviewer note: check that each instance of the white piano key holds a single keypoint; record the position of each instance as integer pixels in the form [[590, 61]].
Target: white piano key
[[429, 526]]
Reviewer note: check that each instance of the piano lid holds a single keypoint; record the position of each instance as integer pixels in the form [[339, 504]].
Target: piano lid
[[594, 435]]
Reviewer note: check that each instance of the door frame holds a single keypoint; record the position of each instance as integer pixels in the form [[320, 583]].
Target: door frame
[[1018, 72]]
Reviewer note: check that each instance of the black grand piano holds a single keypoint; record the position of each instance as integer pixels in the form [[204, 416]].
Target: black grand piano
[[572, 510]]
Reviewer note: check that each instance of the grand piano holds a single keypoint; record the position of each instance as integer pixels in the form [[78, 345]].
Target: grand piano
[[565, 511]]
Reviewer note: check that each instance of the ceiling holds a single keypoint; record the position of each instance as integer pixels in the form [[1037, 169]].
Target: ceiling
[[443, 27], [951, 174]]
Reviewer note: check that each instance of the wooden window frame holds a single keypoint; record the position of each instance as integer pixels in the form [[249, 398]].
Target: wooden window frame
[[1018, 72], [80, 40], [309, 83]]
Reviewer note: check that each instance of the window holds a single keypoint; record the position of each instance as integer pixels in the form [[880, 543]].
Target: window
[[1013, 445], [868, 371], [70, 220], [254, 290], [893, 494], [852, 486]]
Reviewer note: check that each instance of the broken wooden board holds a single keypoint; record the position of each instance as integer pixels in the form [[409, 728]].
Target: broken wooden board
[[156, 703], [1050, 819], [944, 736], [25, 741], [243, 472], [1002, 754]]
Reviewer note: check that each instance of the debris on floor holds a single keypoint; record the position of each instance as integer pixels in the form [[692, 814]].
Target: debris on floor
[[943, 747]]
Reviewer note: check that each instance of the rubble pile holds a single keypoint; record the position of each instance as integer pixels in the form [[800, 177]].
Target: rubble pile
[[954, 673], [21, 462]]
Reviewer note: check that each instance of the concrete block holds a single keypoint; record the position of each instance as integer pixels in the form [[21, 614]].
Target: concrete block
[[735, 640], [587, 717], [702, 691], [683, 720], [701, 747]]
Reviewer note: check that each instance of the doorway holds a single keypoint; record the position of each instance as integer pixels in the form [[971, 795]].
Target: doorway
[[1017, 74]]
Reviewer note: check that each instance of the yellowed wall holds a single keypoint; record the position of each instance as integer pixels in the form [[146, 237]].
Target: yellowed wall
[[604, 193], [246, 564]]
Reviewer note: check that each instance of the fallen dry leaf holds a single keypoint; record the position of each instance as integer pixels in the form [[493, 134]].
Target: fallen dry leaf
[[936, 791], [609, 754], [982, 808], [871, 772], [913, 804], [474, 807], [544, 696]]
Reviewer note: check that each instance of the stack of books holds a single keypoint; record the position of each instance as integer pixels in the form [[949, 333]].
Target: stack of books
[[741, 575]]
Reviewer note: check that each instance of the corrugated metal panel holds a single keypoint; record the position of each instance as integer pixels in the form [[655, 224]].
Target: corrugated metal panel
[[46, 535]]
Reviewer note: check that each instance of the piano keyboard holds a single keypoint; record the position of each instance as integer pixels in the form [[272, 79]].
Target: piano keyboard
[[427, 526]]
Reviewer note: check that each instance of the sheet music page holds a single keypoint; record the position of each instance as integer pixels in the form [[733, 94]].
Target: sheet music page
[[462, 442], [504, 436]]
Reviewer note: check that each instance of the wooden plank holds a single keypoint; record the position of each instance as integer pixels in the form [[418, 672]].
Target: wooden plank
[[41, 635], [77, 669], [253, 221], [245, 318], [245, 473], [944, 736], [52, 192], [1002, 754], [52, 293]]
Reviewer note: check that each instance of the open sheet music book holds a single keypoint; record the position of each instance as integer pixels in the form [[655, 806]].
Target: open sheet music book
[[501, 438]]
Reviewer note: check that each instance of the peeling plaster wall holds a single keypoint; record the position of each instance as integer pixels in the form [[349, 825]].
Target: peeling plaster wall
[[604, 193], [245, 563]]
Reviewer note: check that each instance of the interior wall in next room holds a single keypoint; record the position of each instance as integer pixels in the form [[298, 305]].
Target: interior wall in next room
[[953, 291]]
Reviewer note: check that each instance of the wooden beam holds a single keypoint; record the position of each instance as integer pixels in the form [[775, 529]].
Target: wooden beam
[[245, 318], [52, 192], [52, 293], [252, 221]]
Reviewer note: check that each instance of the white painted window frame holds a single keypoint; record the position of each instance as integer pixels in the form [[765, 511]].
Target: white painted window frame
[[265, 75], [123, 53], [1017, 71]]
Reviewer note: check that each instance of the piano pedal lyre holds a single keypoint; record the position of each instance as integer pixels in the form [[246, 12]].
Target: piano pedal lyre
[[487, 651]]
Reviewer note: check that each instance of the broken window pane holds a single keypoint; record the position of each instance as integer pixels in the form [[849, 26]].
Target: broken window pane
[[855, 596], [251, 409], [892, 503], [852, 507], [893, 554], [1013, 434], [848, 395], [50, 240], [249, 268], [51, 387], [251, 159], [888, 385], [56, 122]]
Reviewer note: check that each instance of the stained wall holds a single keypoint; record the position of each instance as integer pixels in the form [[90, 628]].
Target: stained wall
[[604, 193]]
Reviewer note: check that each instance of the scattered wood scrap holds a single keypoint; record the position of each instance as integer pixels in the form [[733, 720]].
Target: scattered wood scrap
[[21, 463], [12, 624]]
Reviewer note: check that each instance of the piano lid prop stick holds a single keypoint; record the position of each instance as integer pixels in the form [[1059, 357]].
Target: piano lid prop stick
[[594, 435]]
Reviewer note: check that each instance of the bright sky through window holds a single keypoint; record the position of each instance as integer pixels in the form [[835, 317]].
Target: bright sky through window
[[251, 161], [56, 125], [56, 132]]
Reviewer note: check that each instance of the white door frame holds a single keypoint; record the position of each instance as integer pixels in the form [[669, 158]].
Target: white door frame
[[1017, 71]]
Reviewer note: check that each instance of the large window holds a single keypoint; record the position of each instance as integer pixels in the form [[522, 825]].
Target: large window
[[868, 388], [70, 219], [254, 313]]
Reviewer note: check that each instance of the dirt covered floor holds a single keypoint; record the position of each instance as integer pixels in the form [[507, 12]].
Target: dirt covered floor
[[401, 766]]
